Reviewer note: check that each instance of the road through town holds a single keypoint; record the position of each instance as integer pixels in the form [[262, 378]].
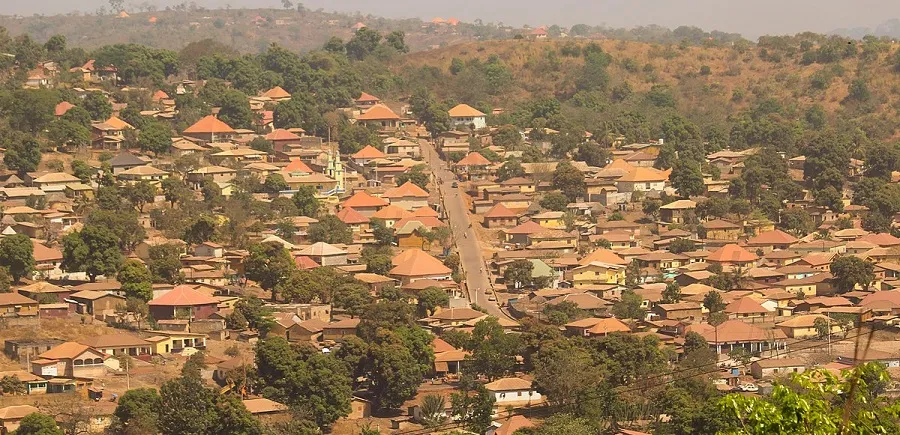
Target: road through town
[[464, 236]]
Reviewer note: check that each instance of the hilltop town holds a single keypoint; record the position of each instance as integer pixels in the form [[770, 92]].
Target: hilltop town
[[211, 243]]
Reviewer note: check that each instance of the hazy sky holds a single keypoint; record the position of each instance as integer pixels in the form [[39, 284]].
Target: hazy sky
[[749, 17]]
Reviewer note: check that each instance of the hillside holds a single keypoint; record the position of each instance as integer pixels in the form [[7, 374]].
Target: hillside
[[737, 79], [247, 30]]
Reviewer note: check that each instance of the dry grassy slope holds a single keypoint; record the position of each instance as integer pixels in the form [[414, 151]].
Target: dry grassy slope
[[787, 81], [174, 29]]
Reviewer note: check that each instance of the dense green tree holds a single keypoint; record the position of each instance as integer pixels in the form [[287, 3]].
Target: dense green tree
[[275, 183], [123, 223], [38, 424], [234, 109], [555, 201], [306, 201], [138, 408], [687, 178], [629, 306], [67, 133], [140, 194], [156, 137], [713, 302], [31, 110], [518, 274], [363, 43], [23, 156], [330, 229], [473, 406], [671, 294], [97, 105], [302, 111], [355, 137], [680, 245], [416, 175], [850, 271], [187, 407], [882, 160], [493, 351], [94, 250], [203, 229], [430, 299], [135, 61], [569, 180], [593, 154], [17, 256], [268, 264], [508, 137], [553, 366], [797, 221], [511, 168], [396, 40], [164, 263], [175, 191], [136, 280]]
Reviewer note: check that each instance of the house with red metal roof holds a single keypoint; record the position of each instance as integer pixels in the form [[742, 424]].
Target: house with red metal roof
[[365, 203], [210, 129]]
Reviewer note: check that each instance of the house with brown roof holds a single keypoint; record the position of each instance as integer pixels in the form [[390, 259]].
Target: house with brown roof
[[283, 139], [736, 333], [596, 327], [95, 302], [366, 100], [12, 416], [183, 302], [210, 129], [267, 410], [678, 311], [71, 360], [15, 305], [500, 217], [337, 331], [466, 116], [520, 233], [355, 220], [718, 229], [770, 368], [675, 212], [746, 308], [772, 240], [45, 292], [277, 94], [109, 134], [408, 196], [119, 344]]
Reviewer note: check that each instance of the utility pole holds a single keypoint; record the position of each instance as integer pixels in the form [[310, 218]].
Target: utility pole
[[127, 375]]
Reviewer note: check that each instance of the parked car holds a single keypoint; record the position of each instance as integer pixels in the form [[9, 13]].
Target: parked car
[[748, 388]]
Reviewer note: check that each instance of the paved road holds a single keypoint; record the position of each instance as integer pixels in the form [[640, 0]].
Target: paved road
[[465, 238]]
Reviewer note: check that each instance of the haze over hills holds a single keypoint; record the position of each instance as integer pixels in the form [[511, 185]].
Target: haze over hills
[[751, 19]]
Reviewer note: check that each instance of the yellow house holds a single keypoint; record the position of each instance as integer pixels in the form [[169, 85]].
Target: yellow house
[[143, 173], [524, 185], [598, 273], [166, 342], [719, 229], [550, 219], [805, 326]]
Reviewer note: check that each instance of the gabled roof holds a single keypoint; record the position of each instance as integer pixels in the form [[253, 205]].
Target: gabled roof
[[499, 211], [643, 175], [126, 159], [320, 249], [378, 112], [719, 224], [681, 204], [804, 321], [774, 237], [425, 212], [391, 212], [56, 177], [17, 412], [364, 199], [509, 384], [8, 299], [297, 165], [350, 216], [732, 253], [416, 262], [529, 227], [67, 350], [209, 124], [303, 262], [367, 98], [429, 222], [745, 305], [62, 108], [407, 189], [114, 340], [464, 111], [608, 325], [143, 170], [463, 313], [602, 255], [735, 331], [368, 152], [281, 134], [159, 95], [183, 296], [276, 93], [881, 239], [473, 159], [116, 123]]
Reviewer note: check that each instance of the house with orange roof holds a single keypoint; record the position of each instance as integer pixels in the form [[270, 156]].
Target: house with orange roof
[[296, 168], [380, 116], [183, 302], [598, 273], [734, 255], [408, 196], [277, 94], [425, 211], [473, 166], [282, 139], [366, 100], [390, 214], [109, 134], [772, 240], [642, 180], [353, 219], [596, 327], [366, 155], [210, 129], [464, 115], [520, 233], [499, 216], [365, 203], [62, 108], [746, 308], [71, 360], [416, 264], [159, 96]]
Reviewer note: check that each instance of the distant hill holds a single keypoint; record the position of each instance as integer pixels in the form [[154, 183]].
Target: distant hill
[[247, 30], [889, 28]]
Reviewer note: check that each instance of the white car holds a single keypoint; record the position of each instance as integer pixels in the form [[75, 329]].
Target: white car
[[748, 388]]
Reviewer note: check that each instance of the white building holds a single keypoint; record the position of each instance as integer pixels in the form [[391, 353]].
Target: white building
[[464, 115]]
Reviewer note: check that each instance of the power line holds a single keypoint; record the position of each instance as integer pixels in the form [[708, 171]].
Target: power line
[[547, 407]]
